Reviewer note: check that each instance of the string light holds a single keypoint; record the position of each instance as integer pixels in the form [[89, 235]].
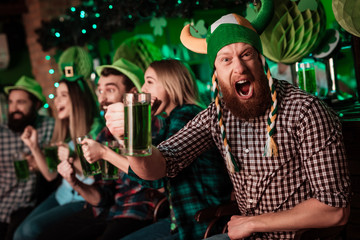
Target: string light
[[46, 105], [51, 71], [56, 84], [51, 96], [47, 57]]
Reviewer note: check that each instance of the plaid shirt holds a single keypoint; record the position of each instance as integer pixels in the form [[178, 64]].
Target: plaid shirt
[[13, 194], [311, 162], [123, 198], [203, 184]]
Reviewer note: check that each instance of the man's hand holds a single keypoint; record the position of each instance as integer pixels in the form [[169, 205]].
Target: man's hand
[[115, 119], [93, 151], [30, 137], [239, 227], [67, 171], [63, 151], [32, 163]]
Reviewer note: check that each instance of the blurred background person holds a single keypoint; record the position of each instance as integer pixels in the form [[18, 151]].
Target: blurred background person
[[77, 115], [17, 198], [116, 207]]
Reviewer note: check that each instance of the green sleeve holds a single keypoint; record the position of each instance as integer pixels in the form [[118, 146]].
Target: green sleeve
[[157, 184]]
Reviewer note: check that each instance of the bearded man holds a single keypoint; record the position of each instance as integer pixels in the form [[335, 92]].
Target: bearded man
[[283, 147], [17, 198]]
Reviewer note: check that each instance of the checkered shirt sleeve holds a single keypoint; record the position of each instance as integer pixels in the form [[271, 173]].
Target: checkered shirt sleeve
[[13, 194]]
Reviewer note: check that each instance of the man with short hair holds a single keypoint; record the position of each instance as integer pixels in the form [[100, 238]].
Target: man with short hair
[[17, 198], [283, 147]]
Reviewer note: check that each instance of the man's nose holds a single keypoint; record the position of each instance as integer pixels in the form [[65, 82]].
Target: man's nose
[[13, 107], [102, 97], [239, 66]]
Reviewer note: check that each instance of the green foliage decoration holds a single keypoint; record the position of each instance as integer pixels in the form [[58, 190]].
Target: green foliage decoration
[[95, 19]]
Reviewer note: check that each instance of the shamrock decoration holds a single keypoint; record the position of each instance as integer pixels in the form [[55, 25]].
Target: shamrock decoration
[[329, 42], [158, 24], [198, 30]]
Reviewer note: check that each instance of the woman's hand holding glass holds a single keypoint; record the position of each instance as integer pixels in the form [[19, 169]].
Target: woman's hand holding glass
[[93, 150]]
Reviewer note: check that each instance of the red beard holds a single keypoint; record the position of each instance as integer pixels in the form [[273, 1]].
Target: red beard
[[251, 108]]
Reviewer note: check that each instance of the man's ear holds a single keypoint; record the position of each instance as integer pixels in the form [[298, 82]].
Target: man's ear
[[133, 90]]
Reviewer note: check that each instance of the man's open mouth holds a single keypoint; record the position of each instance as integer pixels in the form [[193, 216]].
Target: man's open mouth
[[244, 88]]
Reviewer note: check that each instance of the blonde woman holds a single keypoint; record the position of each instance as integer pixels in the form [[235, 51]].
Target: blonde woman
[[77, 115]]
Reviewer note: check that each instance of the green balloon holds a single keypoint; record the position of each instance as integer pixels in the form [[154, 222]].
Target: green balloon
[[347, 14]]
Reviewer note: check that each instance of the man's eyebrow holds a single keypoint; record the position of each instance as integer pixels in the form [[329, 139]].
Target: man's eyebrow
[[248, 49], [109, 84]]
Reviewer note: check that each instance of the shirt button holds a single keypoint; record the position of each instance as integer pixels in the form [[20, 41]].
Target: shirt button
[[246, 150]]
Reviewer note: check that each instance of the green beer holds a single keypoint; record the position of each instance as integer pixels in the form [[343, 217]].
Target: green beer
[[307, 78], [89, 169], [137, 136], [51, 157], [108, 170], [21, 169]]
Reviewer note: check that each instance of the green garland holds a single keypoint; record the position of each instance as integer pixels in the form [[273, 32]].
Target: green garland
[[93, 19]]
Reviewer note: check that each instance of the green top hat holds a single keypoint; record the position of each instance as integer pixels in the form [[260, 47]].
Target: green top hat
[[30, 85], [133, 72]]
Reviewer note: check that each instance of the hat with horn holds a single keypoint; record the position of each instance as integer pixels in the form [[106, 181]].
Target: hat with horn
[[233, 28], [230, 28]]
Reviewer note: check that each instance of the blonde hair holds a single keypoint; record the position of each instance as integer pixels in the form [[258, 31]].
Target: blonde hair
[[177, 81], [81, 117]]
